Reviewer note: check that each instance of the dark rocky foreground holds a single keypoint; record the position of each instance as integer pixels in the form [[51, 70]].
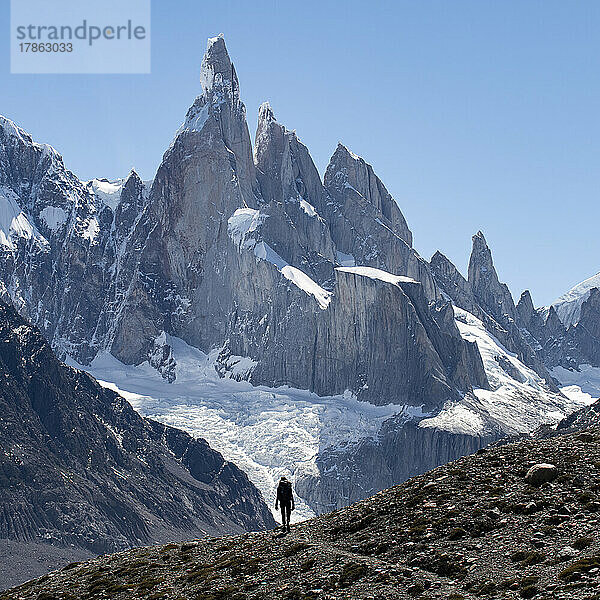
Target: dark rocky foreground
[[471, 529], [81, 473]]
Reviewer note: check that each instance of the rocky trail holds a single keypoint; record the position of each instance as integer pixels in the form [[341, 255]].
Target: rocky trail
[[492, 525]]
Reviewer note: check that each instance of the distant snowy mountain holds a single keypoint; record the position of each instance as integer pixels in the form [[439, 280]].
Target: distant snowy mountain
[[298, 302], [568, 306]]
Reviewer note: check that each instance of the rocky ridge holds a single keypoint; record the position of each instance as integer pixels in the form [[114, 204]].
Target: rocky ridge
[[81, 471], [475, 528]]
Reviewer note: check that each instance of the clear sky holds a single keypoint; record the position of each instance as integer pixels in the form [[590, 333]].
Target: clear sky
[[475, 114]]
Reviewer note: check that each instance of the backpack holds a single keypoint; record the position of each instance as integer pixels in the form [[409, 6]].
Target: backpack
[[285, 490]]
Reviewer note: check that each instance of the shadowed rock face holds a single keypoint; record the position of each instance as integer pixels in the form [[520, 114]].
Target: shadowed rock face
[[80, 468]]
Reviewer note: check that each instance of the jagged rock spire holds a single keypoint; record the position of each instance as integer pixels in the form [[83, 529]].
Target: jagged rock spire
[[219, 116], [526, 314], [217, 72], [525, 308], [292, 191], [285, 167], [494, 296], [347, 171]]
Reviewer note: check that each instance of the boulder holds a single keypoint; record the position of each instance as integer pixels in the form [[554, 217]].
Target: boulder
[[541, 473]]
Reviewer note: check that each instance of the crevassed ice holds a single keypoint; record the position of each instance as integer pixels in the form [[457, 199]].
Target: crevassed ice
[[267, 432]]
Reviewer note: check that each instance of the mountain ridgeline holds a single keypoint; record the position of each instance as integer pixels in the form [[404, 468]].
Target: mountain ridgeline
[[292, 279]]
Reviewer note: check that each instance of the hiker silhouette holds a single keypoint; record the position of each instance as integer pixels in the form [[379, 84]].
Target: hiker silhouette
[[285, 498]]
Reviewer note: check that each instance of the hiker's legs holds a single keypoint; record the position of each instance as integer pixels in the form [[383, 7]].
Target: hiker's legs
[[286, 510]]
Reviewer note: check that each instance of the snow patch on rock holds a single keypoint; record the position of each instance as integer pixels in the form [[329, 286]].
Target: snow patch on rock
[[305, 283], [54, 217], [263, 251], [243, 222], [14, 223], [568, 306], [308, 208], [91, 230], [374, 273]]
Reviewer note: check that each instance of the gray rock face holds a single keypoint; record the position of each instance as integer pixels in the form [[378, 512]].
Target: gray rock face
[[538, 336], [291, 189], [566, 345], [62, 243], [79, 468], [494, 296], [346, 171], [374, 465], [365, 222]]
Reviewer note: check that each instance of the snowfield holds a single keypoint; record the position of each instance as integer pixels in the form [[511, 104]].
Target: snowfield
[[518, 401], [584, 382], [267, 432], [568, 306]]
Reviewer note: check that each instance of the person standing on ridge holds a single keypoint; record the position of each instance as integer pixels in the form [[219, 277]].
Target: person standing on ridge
[[285, 498]]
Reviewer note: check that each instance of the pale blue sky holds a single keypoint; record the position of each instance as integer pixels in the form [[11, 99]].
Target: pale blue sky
[[475, 114]]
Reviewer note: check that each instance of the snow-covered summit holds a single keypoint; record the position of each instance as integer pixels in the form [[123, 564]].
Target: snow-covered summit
[[568, 306], [13, 131], [107, 191]]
